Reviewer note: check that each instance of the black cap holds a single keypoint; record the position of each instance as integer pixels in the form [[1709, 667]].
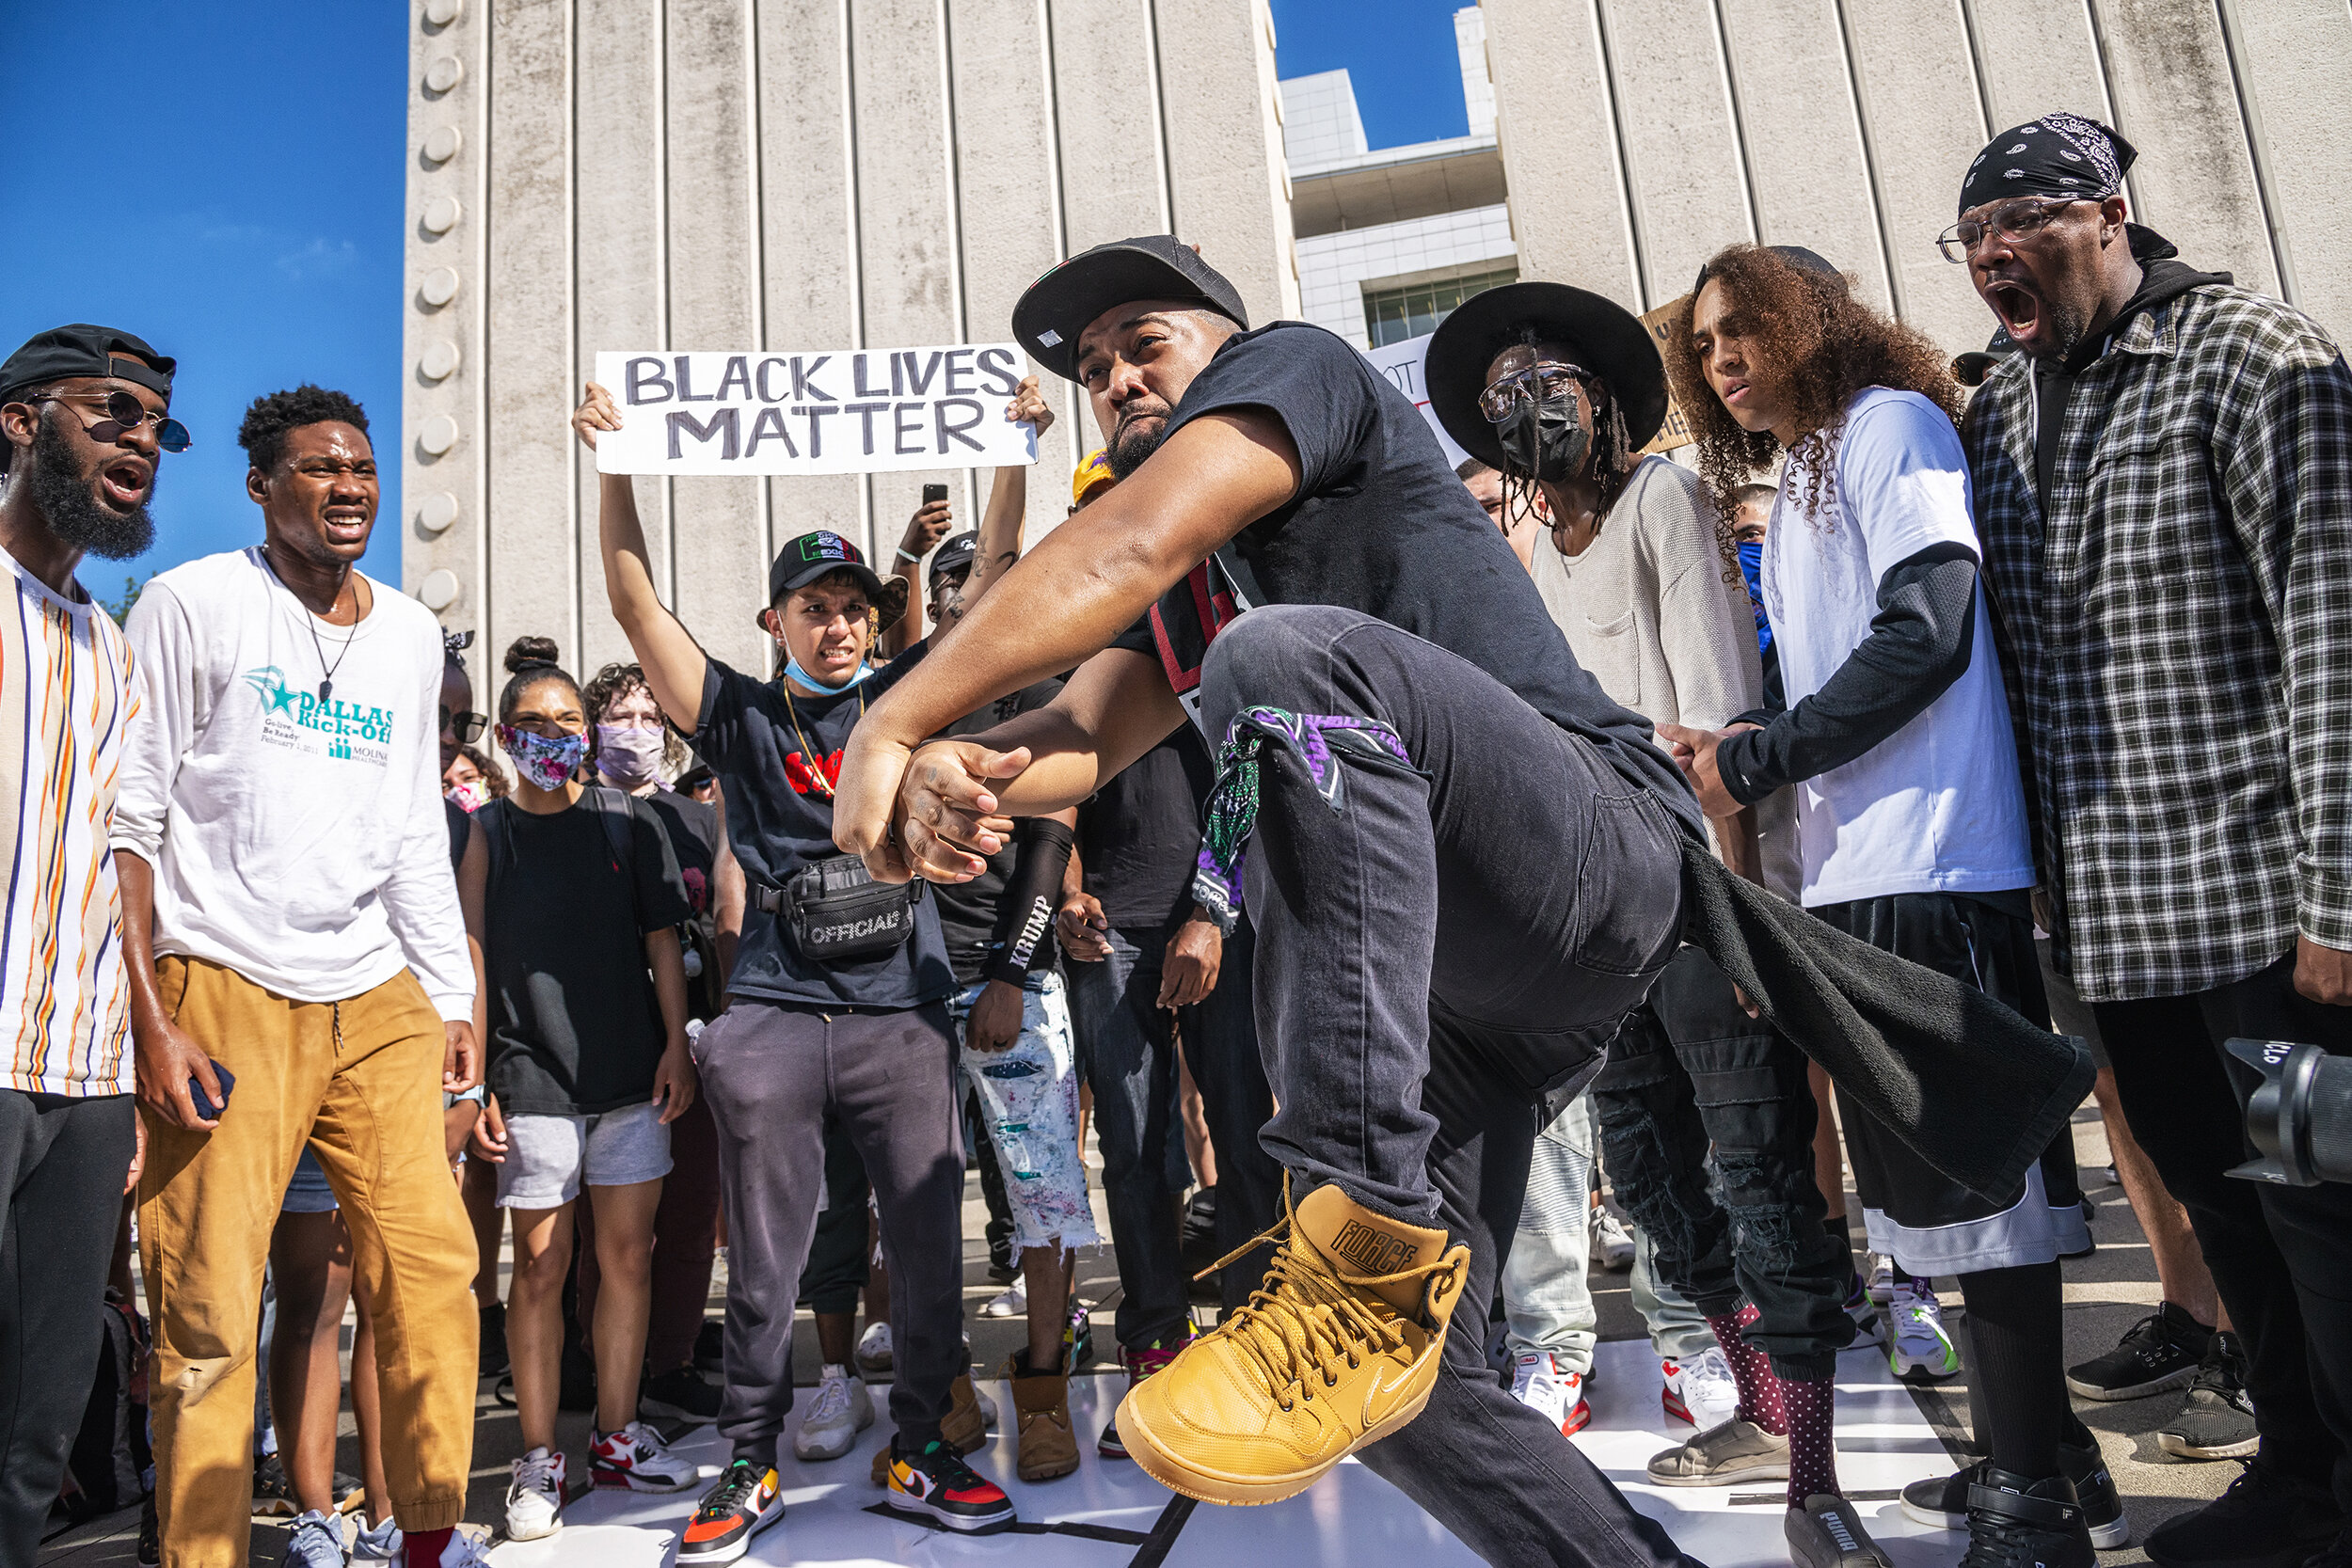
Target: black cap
[[1616, 345], [1058, 306], [1974, 367], [956, 554], [1795, 255], [82, 349], [821, 552]]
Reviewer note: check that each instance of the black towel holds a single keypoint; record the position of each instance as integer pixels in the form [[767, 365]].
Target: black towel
[[1976, 1090]]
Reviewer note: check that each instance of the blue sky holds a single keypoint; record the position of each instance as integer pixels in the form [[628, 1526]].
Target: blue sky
[[236, 200]]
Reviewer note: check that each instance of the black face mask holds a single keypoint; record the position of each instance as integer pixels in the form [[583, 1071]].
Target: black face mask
[[1547, 438]]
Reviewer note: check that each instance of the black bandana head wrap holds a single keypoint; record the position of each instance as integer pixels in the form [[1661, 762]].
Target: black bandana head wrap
[[2058, 155]]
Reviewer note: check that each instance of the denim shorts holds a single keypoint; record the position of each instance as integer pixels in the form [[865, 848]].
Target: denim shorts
[[549, 1157], [1029, 1102], [308, 1192]]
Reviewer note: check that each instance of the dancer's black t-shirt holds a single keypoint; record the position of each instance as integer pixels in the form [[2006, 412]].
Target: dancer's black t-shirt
[[1140, 835], [1380, 524]]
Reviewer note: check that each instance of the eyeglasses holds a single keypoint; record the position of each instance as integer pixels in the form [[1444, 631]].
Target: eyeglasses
[[125, 412], [2014, 221], [1548, 379], [467, 726]]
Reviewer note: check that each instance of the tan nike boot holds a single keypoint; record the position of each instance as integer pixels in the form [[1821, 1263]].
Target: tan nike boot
[[1041, 1403], [1337, 1349], [967, 1426]]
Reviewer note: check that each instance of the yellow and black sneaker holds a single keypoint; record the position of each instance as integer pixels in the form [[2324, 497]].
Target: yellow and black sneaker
[[1336, 1350], [938, 1482], [747, 1499]]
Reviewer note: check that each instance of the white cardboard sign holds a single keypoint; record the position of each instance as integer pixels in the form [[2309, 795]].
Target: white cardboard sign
[[1401, 363], [851, 411]]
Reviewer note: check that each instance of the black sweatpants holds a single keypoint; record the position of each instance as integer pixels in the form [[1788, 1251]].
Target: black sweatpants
[[2281, 1257], [772, 1073], [1438, 945], [62, 1164], [1690, 1072]]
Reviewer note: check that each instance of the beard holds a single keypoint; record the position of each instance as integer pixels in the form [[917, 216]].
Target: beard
[[1131, 443], [75, 514]]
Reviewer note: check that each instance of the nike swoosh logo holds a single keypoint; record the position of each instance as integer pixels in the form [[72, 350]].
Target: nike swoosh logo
[[1381, 1389]]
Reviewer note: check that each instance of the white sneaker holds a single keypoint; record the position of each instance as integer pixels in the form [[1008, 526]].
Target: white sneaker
[[988, 1406], [1919, 1349], [841, 1409], [873, 1349], [1612, 1245], [534, 1499], [1701, 1390], [1541, 1384], [1882, 1280], [1014, 1303], [463, 1551], [636, 1459], [379, 1543]]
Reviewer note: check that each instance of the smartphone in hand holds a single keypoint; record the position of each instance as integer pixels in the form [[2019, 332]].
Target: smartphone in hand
[[205, 1109], [934, 493]]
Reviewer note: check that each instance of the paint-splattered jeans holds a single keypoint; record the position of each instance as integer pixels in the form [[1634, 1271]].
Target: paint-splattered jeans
[[1690, 1069]]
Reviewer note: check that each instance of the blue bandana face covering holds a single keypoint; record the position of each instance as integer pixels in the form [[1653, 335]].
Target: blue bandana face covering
[[541, 761], [1751, 569], [793, 671]]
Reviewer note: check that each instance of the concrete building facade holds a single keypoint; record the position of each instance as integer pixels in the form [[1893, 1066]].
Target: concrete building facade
[[1639, 137], [779, 174]]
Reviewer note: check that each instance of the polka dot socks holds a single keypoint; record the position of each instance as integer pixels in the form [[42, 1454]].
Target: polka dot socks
[[1760, 1391], [1812, 1454]]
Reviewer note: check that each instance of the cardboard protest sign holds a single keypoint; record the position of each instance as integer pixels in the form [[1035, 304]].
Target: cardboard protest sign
[[1401, 363], [1675, 432], [851, 411]]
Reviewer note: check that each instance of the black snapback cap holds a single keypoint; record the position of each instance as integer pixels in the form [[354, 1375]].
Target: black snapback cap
[[84, 349], [821, 552], [1053, 310]]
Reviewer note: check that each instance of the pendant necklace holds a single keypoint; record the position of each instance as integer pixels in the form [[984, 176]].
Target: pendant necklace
[[326, 679]]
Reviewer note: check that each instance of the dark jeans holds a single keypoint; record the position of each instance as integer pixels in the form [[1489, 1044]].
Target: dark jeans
[[1692, 1069], [1436, 950], [772, 1073], [2281, 1257], [1124, 1037], [62, 1164]]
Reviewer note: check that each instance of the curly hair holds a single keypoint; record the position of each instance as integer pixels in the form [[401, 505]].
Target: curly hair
[[493, 780], [608, 686], [1812, 342], [266, 423]]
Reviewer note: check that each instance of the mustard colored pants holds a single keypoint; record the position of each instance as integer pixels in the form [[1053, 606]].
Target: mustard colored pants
[[360, 1082]]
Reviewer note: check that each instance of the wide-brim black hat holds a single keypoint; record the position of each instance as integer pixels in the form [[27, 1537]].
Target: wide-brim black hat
[[1615, 346], [1053, 310]]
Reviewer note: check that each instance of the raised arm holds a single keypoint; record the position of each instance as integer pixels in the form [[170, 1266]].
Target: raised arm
[[1008, 502], [674, 662], [1087, 582]]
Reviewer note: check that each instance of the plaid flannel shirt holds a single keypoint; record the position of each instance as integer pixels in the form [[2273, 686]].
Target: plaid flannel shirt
[[2176, 633]]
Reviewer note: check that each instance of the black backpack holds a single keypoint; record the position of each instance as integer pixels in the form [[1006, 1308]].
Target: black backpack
[[108, 1467], [611, 809]]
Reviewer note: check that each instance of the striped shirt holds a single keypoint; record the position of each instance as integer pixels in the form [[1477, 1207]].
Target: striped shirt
[[65, 695]]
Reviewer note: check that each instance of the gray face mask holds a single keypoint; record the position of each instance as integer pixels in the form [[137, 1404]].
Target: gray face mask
[[1546, 438]]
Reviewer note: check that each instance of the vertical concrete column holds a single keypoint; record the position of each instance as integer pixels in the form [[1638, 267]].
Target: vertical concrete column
[[1559, 140], [1114, 182], [533, 566], [2295, 72], [438, 436], [1229, 183], [1682, 151], [717, 529], [620, 251]]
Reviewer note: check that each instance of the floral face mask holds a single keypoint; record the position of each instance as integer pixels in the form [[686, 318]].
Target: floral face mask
[[544, 762]]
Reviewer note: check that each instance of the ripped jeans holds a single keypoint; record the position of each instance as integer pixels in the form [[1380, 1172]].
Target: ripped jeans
[[1690, 1069]]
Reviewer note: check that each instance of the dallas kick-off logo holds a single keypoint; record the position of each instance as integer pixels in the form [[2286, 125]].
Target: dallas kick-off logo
[[338, 730]]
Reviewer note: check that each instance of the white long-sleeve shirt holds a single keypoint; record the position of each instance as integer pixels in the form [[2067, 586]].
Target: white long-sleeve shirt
[[302, 844]]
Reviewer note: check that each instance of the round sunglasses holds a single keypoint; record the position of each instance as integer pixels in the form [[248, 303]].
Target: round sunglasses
[[123, 413]]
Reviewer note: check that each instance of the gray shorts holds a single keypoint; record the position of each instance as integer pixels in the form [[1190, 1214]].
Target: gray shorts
[[548, 1158]]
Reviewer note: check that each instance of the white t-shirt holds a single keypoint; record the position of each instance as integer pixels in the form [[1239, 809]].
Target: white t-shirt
[[1937, 806], [302, 844]]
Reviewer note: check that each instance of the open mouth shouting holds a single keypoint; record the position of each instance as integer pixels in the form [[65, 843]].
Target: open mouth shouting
[[2018, 305], [125, 483], [345, 525]]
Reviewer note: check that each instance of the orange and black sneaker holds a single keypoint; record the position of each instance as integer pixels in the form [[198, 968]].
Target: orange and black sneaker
[[938, 1482], [747, 1499]]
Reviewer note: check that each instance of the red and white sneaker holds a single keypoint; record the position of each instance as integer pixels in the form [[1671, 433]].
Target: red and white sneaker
[[637, 1460], [1701, 1390], [938, 1482], [1540, 1382]]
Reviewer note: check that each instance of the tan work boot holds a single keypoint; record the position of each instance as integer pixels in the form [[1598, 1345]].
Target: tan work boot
[[1041, 1402], [1337, 1349], [965, 1427]]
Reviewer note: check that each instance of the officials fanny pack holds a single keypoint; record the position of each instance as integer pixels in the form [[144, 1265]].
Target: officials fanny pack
[[836, 912]]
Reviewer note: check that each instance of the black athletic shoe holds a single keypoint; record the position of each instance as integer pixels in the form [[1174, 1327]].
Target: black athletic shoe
[[150, 1536], [1827, 1533], [2017, 1523], [494, 1362], [2218, 1422], [938, 1482], [2160, 1352], [1197, 1249], [273, 1493], [1942, 1502], [747, 1499], [710, 1347], [679, 1394], [2264, 1520]]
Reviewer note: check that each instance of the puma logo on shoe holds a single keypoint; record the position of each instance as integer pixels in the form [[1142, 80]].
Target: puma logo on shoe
[[1376, 1251]]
